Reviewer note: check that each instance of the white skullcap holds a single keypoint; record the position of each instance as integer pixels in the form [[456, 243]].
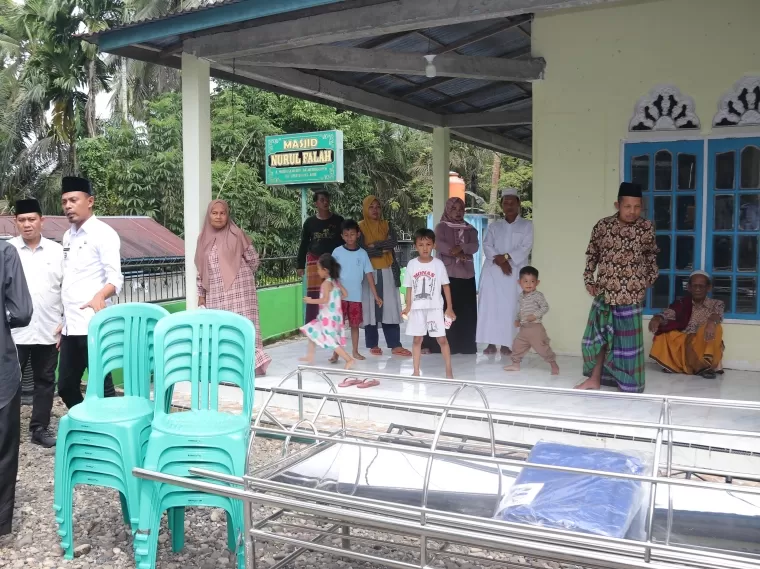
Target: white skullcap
[[509, 192], [700, 272]]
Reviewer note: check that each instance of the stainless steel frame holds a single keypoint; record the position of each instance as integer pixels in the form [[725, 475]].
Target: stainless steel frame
[[442, 515]]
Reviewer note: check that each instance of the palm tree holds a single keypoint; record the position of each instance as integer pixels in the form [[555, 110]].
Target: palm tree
[[24, 149], [136, 83], [48, 81], [57, 65]]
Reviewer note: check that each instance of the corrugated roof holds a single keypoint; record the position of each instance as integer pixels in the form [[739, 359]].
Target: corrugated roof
[[141, 237]]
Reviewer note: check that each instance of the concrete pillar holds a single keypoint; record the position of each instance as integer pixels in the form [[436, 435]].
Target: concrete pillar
[[441, 167], [196, 160]]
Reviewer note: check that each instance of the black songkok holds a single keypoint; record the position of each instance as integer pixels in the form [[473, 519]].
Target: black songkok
[[75, 184], [27, 206], [627, 189]]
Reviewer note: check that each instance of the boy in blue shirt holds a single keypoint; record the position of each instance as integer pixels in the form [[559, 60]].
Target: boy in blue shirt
[[355, 266]]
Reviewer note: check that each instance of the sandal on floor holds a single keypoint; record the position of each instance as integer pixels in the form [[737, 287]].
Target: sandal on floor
[[376, 351], [333, 360], [367, 383], [349, 382], [707, 374], [401, 352]]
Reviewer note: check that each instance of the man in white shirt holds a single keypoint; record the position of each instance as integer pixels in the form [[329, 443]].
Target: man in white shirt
[[42, 260], [91, 276], [507, 248]]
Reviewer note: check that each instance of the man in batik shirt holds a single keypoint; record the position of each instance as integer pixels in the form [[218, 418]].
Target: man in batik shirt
[[688, 334], [621, 263]]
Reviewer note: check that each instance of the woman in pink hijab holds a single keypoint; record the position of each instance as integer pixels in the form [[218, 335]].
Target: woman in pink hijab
[[456, 242], [226, 262]]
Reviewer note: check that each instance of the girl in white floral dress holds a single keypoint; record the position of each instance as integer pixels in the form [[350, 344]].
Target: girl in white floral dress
[[327, 329]]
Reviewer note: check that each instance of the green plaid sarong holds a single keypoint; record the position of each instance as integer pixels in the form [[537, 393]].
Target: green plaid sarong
[[619, 331]]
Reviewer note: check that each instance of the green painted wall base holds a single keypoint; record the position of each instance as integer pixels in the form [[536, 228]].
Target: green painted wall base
[[280, 310]]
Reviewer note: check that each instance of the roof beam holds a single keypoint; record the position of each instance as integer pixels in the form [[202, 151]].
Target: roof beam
[[283, 86], [505, 118], [494, 141], [433, 83], [329, 58], [309, 86], [365, 22], [492, 30], [334, 92]]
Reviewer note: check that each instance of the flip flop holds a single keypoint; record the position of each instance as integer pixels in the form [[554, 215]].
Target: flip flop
[[350, 381], [376, 351], [367, 384], [333, 360], [401, 352]]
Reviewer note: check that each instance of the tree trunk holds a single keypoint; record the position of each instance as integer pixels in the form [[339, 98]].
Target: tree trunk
[[90, 108], [495, 178], [124, 87], [73, 157]]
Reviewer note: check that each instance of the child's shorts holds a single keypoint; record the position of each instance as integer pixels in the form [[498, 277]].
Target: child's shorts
[[426, 321], [352, 313]]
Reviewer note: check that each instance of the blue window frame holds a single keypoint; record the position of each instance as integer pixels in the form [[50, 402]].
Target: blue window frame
[[671, 177], [733, 223]]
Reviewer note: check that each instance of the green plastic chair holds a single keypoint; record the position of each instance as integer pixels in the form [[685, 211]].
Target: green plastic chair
[[119, 336], [205, 348]]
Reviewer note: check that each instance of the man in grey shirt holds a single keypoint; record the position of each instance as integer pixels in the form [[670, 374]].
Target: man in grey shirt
[[16, 304]]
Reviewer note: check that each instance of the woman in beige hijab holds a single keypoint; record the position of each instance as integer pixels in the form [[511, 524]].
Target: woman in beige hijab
[[226, 262]]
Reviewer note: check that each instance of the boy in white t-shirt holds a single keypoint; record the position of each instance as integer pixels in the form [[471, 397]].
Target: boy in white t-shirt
[[425, 277]]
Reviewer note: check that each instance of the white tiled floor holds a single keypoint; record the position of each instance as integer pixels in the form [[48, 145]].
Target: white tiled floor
[[509, 395], [736, 385]]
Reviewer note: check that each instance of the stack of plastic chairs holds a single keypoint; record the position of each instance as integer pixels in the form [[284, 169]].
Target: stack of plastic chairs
[[102, 439], [206, 348]]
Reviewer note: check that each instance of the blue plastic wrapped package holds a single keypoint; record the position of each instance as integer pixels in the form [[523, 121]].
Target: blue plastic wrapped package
[[578, 502]]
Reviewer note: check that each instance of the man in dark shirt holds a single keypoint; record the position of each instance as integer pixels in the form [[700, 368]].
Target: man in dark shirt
[[321, 234], [16, 304], [621, 263]]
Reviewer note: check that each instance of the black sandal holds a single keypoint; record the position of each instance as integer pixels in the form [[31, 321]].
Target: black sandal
[[708, 374]]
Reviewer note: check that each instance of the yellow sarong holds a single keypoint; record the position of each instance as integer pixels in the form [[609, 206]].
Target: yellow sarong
[[688, 353]]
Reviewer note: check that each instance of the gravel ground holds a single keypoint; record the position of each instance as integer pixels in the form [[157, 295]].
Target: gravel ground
[[102, 541]]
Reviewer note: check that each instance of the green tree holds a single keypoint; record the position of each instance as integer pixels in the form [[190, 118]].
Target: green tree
[[134, 84], [138, 171], [518, 173], [56, 72]]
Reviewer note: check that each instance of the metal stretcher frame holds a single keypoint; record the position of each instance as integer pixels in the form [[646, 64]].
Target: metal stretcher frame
[[440, 533]]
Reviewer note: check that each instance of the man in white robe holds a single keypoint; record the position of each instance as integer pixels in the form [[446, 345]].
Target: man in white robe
[[507, 249]]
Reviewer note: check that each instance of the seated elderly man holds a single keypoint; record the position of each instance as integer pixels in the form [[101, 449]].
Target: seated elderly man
[[688, 335]]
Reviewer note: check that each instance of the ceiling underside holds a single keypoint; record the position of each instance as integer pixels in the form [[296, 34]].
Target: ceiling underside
[[368, 56]]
